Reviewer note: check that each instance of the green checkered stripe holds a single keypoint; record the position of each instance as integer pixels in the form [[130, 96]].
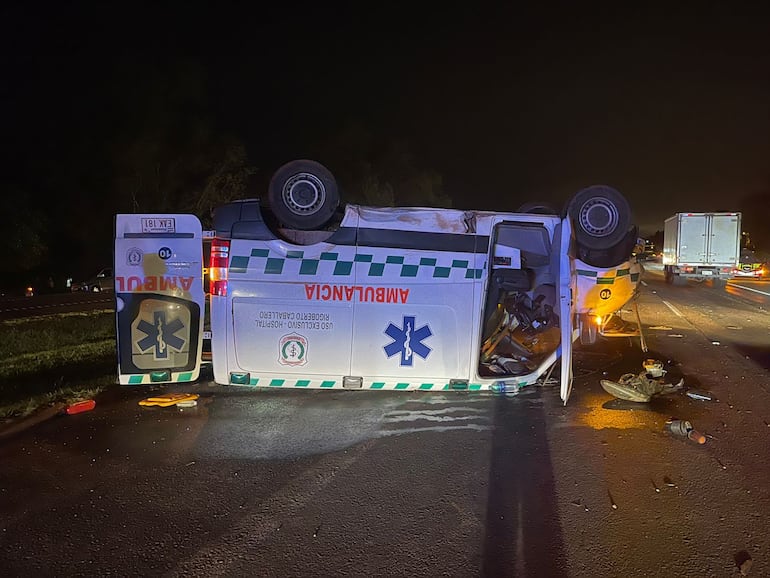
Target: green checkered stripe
[[146, 378], [609, 279], [376, 385], [332, 263]]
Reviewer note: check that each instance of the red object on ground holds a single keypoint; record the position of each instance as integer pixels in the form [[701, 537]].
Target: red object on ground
[[696, 436], [81, 406]]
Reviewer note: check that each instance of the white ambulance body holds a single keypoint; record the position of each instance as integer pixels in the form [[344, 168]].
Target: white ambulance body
[[409, 298]]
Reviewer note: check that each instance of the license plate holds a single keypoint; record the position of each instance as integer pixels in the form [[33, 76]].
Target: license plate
[[158, 225], [708, 272]]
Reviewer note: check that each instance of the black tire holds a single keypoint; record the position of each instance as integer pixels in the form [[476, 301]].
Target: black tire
[[537, 208], [719, 283], [303, 195], [668, 275], [601, 217], [678, 280], [613, 256]]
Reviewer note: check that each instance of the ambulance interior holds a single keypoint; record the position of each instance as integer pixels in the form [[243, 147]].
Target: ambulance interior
[[521, 323]]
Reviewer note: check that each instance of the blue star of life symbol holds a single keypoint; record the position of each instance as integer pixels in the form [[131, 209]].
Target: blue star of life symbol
[[160, 335], [407, 340]]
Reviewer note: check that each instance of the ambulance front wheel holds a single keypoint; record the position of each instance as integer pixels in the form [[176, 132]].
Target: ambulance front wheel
[[303, 195], [601, 217]]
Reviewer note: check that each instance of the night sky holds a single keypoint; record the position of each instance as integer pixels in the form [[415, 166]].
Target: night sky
[[668, 103]]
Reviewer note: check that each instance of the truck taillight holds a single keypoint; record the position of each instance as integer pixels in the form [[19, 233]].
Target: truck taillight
[[220, 260]]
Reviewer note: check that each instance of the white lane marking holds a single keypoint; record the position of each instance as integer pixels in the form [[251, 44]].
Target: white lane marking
[[438, 411], [417, 416], [674, 309], [749, 289], [398, 432], [644, 283]]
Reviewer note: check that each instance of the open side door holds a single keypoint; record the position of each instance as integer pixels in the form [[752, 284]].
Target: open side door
[[565, 274], [160, 301]]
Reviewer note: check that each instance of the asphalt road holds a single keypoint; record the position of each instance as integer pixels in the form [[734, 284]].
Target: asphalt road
[[285, 483]]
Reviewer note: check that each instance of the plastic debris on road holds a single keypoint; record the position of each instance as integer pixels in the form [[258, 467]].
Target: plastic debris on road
[[80, 407], [639, 388], [654, 367], [699, 395], [168, 399]]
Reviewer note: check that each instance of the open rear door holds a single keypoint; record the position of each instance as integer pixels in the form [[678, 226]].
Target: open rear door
[[566, 278], [160, 300]]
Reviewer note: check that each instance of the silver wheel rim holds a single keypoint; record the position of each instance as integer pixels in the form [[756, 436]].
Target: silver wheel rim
[[304, 194], [598, 217]]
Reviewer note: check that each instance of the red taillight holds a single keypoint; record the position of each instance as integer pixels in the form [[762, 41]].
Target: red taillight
[[218, 263]]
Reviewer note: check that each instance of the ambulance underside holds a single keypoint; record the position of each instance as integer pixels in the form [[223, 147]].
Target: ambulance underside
[[392, 299]]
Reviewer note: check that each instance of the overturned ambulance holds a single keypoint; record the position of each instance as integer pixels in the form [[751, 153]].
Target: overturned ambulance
[[385, 299]]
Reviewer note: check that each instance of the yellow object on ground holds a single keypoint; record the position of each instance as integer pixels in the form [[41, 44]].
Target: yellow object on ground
[[168, 399]]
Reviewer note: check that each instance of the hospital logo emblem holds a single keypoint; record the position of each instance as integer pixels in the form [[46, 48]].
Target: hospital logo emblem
[[134, 256], [292, 350], [407, 341]]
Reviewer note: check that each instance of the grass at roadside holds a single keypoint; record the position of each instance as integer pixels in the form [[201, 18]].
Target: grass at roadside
[[54, 358]]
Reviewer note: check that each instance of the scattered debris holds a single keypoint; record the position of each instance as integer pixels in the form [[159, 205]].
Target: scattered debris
[[668, 482], [743, 561], [654, 485], [318, 529], [654, 367], [735, 327], [612, 502], [724, 467], [684, 429], [715, 343], [696, 437], [168, 399], [639, 388], [186, 403], [699, 394], [661, 327], [80, 407], [675, 335]]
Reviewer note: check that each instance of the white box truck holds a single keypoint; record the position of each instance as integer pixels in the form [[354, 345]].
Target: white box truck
[[701, 246]]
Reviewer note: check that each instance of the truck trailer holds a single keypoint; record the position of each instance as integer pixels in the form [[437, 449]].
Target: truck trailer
[[701, 246]]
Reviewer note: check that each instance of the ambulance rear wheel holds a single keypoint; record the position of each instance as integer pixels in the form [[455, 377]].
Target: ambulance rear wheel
[[537, 208], [601, 217], [303, 195]]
